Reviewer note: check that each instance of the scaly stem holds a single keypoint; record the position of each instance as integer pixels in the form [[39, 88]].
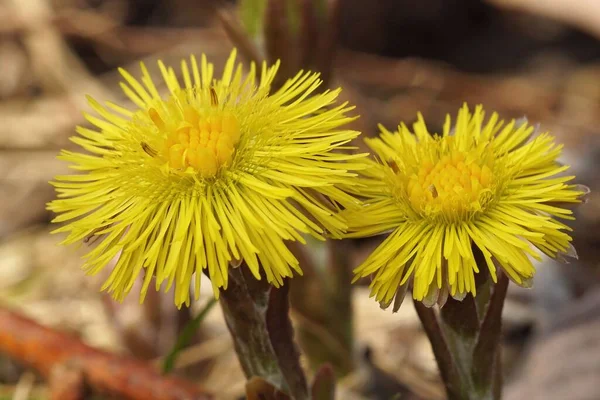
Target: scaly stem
[[447, 365], [465, 338], [256, 314]]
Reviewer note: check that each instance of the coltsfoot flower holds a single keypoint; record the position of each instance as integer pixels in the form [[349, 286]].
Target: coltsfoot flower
[[215, 173], [490, 186]]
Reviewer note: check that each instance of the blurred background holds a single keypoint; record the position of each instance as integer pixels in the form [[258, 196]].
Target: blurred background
[[393, 58]]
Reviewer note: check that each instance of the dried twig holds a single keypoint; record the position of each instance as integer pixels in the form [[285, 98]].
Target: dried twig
[[47, 350]]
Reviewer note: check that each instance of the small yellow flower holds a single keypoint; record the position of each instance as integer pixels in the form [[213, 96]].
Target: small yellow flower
[[216, 173], [492, 185]]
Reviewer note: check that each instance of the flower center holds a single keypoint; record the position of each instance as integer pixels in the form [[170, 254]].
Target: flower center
[[205, 140], [452, 185]]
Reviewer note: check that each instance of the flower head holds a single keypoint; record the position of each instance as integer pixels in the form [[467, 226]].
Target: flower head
[[492, 187], [215, 173]]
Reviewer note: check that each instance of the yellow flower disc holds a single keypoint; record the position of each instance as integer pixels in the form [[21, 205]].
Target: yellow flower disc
[[449, 185]]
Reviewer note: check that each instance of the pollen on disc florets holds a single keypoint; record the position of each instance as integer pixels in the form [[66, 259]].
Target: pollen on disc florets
[[449, 183], [200, 140]]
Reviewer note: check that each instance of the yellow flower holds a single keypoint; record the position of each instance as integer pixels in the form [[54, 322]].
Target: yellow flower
[[216, 173], [492, 187]]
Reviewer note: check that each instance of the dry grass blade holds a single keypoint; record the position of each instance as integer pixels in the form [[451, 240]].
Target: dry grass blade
[[234, 30]]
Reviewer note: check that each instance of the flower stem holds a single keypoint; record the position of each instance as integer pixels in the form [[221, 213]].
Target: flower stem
[[466, 343], [447, 364], [256, 314]]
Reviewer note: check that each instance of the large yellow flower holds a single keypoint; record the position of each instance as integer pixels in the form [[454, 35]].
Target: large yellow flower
[[216, 173], [490, 186]]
